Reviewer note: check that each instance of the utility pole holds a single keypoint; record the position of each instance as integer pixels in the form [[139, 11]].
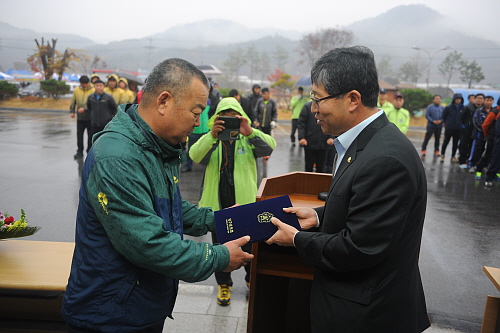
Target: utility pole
[[430, 59]]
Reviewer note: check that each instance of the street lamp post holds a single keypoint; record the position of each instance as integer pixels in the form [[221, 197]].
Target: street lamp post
[[430, 59]]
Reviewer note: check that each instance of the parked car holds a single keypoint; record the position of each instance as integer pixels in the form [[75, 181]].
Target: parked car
[[32, 90]]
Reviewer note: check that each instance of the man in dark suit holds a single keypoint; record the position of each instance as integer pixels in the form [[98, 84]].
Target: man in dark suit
[[364, 243]]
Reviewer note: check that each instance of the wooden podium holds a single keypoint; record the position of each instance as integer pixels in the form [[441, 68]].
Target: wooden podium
[[280, 282]]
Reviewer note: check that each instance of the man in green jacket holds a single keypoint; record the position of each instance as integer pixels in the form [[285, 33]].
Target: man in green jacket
[[399, 116], [129, 248], [231, 171], [296, 103]]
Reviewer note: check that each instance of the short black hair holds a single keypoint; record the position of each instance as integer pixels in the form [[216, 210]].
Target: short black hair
[[264, 90], [471, 95], [84, 79], [489, 97], [480, 94], [174, 75], [233, 92], [436, 96], [99, 81], [344, 69], [300, 89]]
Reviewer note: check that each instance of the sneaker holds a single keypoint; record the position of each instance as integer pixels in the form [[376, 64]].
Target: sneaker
[[224, 294], [453, 160], [442, 158], [436, 153], [423, 152], [478, 175], [293, 144], [78, 155], [472, 170], [498, 176], [463, 166], [488, 184], [266, 157]]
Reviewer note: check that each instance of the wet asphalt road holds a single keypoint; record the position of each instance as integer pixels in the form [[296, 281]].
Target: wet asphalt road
[[461, 233]]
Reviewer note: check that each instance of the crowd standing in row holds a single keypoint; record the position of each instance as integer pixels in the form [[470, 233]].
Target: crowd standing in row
[[474, 130]]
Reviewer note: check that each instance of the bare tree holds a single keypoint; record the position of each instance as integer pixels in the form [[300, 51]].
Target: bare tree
[[264, 66], [281, 57], [384, 68], [411, 70], [312, 46], [253, 59], [236, 59], [450, 66], [87, 65]]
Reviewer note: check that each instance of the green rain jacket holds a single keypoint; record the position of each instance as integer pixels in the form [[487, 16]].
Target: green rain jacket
[[208, 150]]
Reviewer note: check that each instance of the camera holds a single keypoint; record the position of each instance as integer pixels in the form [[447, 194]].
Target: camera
[[231, 129]]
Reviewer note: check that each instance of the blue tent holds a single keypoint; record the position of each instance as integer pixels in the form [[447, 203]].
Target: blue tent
[[466, 92], [21, 75]]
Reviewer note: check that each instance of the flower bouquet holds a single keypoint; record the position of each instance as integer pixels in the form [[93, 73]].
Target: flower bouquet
[[10, 228]]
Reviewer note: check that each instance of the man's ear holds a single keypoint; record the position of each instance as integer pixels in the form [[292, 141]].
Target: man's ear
[[354, 98], [164, 101]]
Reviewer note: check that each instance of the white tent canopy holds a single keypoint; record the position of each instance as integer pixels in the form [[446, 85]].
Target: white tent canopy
[[4, 76]]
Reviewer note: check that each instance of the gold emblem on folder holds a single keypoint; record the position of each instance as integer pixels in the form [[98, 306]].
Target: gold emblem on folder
[[265, 217], [349, 159]]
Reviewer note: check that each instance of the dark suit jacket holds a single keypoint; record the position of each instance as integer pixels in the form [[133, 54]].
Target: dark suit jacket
[[366, 251]]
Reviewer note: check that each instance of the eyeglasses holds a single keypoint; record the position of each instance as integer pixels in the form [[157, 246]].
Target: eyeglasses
[[317, 100]]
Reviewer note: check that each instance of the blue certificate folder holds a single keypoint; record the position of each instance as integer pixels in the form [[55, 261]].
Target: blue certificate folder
[[253, 220]]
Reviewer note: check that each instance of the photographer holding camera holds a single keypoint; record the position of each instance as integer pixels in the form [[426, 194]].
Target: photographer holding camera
[[231, 169]]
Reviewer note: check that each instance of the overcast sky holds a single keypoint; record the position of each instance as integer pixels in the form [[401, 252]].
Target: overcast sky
[[104, 21]]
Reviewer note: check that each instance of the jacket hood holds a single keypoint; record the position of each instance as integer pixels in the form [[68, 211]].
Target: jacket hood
[[455, 96], [115, 77], [124, 80], [228, 103]]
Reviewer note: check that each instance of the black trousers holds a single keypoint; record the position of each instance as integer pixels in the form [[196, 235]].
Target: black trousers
[[81, 126], [437, 135], [448, 134], [465, 145], [478, 145], [486, 157], [225, 277], [294, 129], [495, 161], [315, 156]]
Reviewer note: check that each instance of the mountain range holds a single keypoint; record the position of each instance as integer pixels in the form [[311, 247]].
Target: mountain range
[[392, 34]]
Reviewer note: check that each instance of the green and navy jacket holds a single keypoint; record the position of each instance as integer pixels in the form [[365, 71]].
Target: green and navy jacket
[[129, 248]]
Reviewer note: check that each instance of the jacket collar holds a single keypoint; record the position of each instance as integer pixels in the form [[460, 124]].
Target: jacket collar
[[358, 145]]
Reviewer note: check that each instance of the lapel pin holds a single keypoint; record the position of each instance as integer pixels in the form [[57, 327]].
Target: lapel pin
[[349, 159]]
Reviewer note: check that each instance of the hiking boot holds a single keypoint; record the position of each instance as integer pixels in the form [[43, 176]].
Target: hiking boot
[[453, 160], [488, 184], [423, 152], [472, 170], [478, 175], [224, 295], [78, 155], [442, 158], [463, 166]]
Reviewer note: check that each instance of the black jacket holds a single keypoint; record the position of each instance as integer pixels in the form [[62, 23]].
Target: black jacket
[[366, 251], [467, 116], [310, 130], [452, 114], [102, 109]]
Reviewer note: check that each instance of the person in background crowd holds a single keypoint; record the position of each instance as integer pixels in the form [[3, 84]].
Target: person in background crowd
[[94, 77], [494, 167], [314, 141], [364, 243], [398, 115], [383, 103], [465, 145], [79, 103], [129, 248], [266, 112], [471, 98], [127, 96], [482, 146], [254, 96], [214, 96], [113, 89], [101, 106], [297, 102], [434, 115], [452, 118], [231, 172], [245, 104]]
